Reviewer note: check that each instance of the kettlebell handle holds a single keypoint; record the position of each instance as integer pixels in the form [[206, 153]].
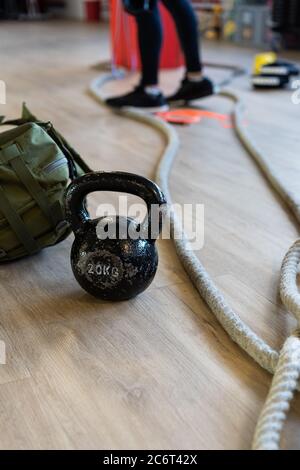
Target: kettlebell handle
[[76, 212]]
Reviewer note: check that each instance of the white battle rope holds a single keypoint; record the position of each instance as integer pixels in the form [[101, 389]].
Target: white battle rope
[[284, 384], [285, 365]]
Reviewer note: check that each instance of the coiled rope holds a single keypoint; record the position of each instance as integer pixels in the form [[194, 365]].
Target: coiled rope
[[285, 365]]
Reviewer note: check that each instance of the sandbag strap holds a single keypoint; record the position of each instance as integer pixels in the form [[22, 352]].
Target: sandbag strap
[[12, 154], [71, 155], [17, 224]]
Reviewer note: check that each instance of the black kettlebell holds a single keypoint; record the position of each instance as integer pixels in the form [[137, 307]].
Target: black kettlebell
[[122, 262]]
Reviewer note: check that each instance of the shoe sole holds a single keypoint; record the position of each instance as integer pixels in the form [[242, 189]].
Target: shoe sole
[[156, 109]]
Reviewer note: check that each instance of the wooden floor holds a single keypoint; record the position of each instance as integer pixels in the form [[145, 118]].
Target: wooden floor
[[158, 371]]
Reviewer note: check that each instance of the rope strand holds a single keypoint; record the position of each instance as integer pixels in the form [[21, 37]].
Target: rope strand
[[274, 413]]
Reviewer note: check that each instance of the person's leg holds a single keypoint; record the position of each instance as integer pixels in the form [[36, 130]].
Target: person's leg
[[147, 95], [194, 85], [187, 28], [150, 41]]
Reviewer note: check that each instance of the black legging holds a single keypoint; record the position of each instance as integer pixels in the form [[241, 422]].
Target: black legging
[[150, 38]]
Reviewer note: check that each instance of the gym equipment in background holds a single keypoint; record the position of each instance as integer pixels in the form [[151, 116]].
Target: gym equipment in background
[[93, 10], [286, 22], [30, 9], [269, 72], [252, 24], [184, 116], [180, 116], [211, 17], [114, 258], [9, 9]]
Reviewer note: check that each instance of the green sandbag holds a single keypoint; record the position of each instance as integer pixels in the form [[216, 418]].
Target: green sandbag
[[36, 166]]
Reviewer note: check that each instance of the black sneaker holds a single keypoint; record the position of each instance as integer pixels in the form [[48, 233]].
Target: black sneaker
[[139, 98], [192, 90]]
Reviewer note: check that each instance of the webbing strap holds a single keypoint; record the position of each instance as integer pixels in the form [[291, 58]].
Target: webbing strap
[[17, 224], [13, 155]]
